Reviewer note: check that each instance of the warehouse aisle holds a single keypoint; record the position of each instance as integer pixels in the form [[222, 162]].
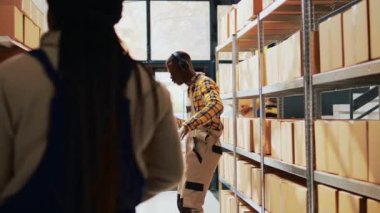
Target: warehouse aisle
[[166, 202]]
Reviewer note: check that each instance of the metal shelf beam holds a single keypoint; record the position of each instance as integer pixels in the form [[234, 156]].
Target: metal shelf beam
[[226, 96], [358, 187], [288, 88], [285, 167], [8, 42], [254, 93], [229, 147], [250, 155]]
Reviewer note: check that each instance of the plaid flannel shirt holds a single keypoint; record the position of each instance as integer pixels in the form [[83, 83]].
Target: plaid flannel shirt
[[206, 102]]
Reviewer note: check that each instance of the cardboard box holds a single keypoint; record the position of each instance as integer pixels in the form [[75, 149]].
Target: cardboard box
[[373, 206], [297, 198], [256, 138], [275, 194], [248, 143], [286, 197], [290, 59], [232, 21], [11, 23], [374, 19], [331, 43], [245, 209], [246, 11], [287, 149], [349, 203], [299, 143], [256, 185], [244, 177], [31, 34], [353, 149], [276, 139], [23, 5], [249, 73], [374, 151], [355, 34], [225, 28], [327, 199], [241, 133], [327, 146], [272, 65]]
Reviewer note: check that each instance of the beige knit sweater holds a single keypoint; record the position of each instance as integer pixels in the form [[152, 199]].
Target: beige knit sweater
[[25, 96]]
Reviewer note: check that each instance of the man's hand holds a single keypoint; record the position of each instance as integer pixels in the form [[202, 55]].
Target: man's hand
[[183, 132]]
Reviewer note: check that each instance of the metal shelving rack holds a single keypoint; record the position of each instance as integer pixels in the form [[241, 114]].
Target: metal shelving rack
[[8, 42], [275, 23]]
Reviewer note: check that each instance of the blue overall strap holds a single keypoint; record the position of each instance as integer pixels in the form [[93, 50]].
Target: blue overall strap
[[43, 192]]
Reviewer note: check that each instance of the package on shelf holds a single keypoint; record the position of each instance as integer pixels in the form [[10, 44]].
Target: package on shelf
[[299, 143], [275, 139], [31, 34], [272, 195], [227, 167], [23, 5], [256, 138], [327, 199], [223, 23], [232, 17], [225, 198], [225, 76], [246, 11], [287, 148], [244, 177], [297, 198], [374, 19], [373, 206], [245, 209], [374, 151], [355, 34], [342, 148], [331, 43], [11, 22], [245, 133], [271, 66], [256, 185], [349, 203], [266, 3], [230, 131], [249, 73], [290, 58]]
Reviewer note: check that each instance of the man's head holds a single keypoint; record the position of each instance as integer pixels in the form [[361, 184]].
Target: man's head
[[180, 67]]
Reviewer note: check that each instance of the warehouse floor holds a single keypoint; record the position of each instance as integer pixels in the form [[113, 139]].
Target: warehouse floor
[[166, 202]]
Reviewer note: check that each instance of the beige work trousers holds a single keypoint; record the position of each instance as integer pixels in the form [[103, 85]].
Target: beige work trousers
[[203, 152]]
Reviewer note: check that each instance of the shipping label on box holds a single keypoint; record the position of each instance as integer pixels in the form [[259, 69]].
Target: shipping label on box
[[356, 34], [327, 199], [374, 19], [374, 151]]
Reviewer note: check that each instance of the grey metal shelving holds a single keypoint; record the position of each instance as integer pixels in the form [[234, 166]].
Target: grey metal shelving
[[285, 167], [250, 155], [240, 195], [226, 96], [275, 23], [358, 187], [8, 42]]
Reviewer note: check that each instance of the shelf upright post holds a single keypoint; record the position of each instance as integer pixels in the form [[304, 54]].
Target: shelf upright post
[[235, 55], [260, 32], [280, 107], [308, 90]]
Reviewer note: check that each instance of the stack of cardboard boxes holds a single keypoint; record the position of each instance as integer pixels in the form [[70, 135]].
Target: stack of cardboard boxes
[[224, 79], [228, 203], [331, 200], [226, 167], [249, 73], [227, 135], [247, 10], [288, 141], [348, 149], [249, 180], [351, 37], [284, 196], [22, 21]]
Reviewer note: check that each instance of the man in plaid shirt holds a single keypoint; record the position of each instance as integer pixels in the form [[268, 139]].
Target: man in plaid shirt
[[202, 132]]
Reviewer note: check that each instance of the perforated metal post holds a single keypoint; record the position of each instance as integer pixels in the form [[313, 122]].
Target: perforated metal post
[[262, 110], [308, 83], [235, 56]]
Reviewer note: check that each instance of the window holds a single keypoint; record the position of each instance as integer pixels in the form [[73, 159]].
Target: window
[[180, 25], [132, 29]]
